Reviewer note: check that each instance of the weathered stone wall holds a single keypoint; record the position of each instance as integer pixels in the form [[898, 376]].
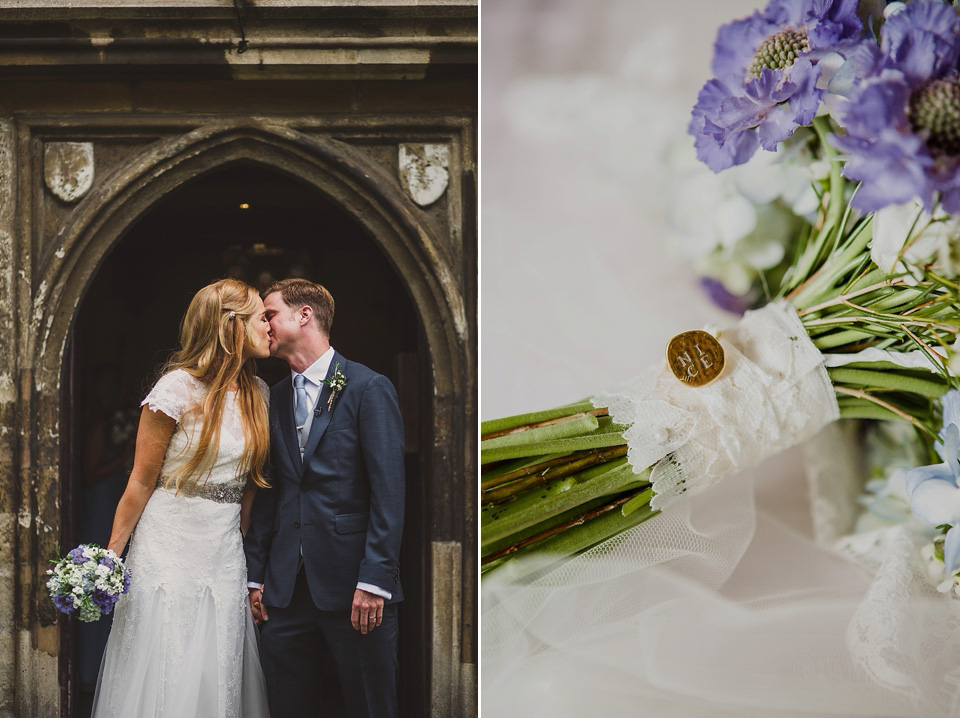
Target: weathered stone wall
[[386, 99], [9, 430]]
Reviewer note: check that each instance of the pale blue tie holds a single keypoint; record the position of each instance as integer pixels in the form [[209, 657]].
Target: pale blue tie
[[302, 409]]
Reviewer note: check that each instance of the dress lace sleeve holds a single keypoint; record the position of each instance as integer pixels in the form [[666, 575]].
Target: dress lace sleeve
[[173, 394]]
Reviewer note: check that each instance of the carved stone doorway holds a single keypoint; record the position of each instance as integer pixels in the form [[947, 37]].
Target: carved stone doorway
[[252, 222]]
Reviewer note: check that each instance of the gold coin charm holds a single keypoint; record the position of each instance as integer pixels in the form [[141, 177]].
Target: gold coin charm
[[695, 358]]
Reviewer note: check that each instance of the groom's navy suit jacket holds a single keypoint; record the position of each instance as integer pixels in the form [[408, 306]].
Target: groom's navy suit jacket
[[343, 502]]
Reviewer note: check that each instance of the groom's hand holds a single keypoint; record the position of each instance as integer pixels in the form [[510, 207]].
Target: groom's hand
[[257, 608], [367, 611]]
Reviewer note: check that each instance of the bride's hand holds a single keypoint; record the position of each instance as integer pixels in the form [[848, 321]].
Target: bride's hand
[[256, 606]]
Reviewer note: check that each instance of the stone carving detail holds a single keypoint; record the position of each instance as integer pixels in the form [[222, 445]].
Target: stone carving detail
[[68, 169], [424, 171]]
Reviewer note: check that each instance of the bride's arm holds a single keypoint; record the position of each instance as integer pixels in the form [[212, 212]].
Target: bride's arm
[[153, 436]]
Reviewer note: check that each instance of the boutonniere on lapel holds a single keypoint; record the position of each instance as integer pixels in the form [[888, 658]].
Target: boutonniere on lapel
[[336, 382]]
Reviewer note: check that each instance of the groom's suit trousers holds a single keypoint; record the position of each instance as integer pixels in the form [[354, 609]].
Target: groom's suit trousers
[[294, 641]]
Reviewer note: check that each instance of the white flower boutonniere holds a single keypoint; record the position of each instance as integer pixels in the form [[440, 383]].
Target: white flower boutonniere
[[336, 383]]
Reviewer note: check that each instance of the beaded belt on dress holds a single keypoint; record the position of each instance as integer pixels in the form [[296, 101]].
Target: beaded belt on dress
[[220, 493]]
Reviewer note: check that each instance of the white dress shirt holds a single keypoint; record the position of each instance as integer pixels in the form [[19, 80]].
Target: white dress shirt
[[313, 375]]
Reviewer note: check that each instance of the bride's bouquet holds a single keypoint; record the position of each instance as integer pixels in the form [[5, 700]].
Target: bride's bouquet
[[88, 581], [856, 315]]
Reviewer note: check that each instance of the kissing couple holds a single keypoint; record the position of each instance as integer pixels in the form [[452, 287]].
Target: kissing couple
[[307, 548]]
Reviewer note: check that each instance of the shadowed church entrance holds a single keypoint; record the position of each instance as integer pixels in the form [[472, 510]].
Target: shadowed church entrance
[[255, 224]]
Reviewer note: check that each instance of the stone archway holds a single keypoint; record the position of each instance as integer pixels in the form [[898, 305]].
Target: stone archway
[[348, 178]]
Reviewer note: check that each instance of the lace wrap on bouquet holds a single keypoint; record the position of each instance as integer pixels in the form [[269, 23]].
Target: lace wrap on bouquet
[[774, 393]]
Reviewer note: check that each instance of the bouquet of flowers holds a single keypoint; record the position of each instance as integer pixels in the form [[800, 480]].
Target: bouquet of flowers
[[87, 581], [856, 316]]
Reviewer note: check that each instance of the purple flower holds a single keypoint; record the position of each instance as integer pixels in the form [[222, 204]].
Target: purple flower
[[727, 301], [903, 122], [104, 600], [108, 562], [64, 604], [765, 83]]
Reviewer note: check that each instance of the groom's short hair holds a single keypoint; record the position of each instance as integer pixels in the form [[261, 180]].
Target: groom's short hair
[[297, 292]]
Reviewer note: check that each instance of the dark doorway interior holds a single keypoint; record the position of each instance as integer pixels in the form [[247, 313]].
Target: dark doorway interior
[[256, 224]]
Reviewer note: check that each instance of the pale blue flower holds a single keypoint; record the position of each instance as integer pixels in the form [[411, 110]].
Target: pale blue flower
[[934, 490]]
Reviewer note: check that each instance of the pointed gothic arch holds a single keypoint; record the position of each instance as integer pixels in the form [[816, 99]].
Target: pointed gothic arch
[[358, 185], [342, 173]]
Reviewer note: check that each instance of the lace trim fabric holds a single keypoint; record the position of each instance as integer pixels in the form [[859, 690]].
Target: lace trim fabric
[[174, 393], [774, 393], [834, 481]]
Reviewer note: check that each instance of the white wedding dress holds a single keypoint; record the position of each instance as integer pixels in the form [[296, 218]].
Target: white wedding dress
[[183, 641]]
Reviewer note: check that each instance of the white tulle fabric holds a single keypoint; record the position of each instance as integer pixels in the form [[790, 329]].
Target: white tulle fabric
[[183, 642], [726, 606], [773, 394]]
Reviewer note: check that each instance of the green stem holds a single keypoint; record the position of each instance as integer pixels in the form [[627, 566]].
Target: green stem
[[842, 338], [842, 299], [507, 491], [898, 413], [512, 519], [579, 538], [575, 427], [851, 408], [512, 422], [822, 284], [821, 126], [888, 380], [550, 468]]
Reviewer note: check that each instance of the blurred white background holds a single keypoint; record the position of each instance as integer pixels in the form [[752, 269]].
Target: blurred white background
[[584, 105]]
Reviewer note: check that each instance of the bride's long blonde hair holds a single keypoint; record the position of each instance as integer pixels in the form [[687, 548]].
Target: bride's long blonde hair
[[212, 337]]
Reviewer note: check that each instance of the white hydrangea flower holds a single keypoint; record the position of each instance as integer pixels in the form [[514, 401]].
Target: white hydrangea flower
[[907, 232], [744, 217]]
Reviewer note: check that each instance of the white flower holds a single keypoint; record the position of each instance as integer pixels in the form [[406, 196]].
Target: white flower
[[893, 8], [906, 232], [953, 358], [737, 223], [838, 77]]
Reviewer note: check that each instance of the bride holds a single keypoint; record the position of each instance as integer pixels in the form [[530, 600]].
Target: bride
[[183, 641]]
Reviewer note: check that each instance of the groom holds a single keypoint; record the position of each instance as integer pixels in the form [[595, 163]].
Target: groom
[[324, 541]]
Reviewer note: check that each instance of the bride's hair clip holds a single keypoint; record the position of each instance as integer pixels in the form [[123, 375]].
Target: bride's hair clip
[[232, 314]]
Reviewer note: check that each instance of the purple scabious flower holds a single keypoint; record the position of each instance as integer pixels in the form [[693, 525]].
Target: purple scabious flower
[[64, 604], [104, 600], [733, 303], [765, 77], [902, 124]]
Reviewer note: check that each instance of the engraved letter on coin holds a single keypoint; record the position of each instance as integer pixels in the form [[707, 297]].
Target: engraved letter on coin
[[695, 358]]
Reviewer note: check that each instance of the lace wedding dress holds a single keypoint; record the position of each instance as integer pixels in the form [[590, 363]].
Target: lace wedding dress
[[183, 641]]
